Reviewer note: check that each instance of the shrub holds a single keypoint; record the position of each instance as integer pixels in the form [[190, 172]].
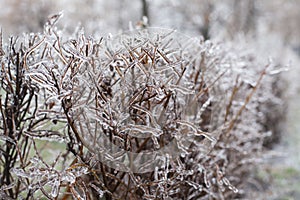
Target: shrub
[[146, 114]]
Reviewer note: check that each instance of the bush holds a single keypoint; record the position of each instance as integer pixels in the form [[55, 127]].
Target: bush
[[146, 114]]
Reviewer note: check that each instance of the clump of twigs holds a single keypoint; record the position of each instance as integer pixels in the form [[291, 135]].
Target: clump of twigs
[[146, 114]]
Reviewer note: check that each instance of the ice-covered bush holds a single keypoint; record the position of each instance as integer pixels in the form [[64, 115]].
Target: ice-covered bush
[[148, 114]]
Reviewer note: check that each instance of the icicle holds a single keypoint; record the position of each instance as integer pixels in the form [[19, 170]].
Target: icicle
[[156, 173], [143, 130], [55, 188], [21, 173], [7, 187], [206, 181], [181, 89], [100, 191], [155, 142], [196, 186]]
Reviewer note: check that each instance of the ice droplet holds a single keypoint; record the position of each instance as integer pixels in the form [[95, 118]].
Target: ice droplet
[[235, 190], [155, 142], [225, 181], [55, 188]]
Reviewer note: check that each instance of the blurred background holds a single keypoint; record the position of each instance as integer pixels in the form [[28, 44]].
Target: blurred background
[[269, 28], [211, 18]]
